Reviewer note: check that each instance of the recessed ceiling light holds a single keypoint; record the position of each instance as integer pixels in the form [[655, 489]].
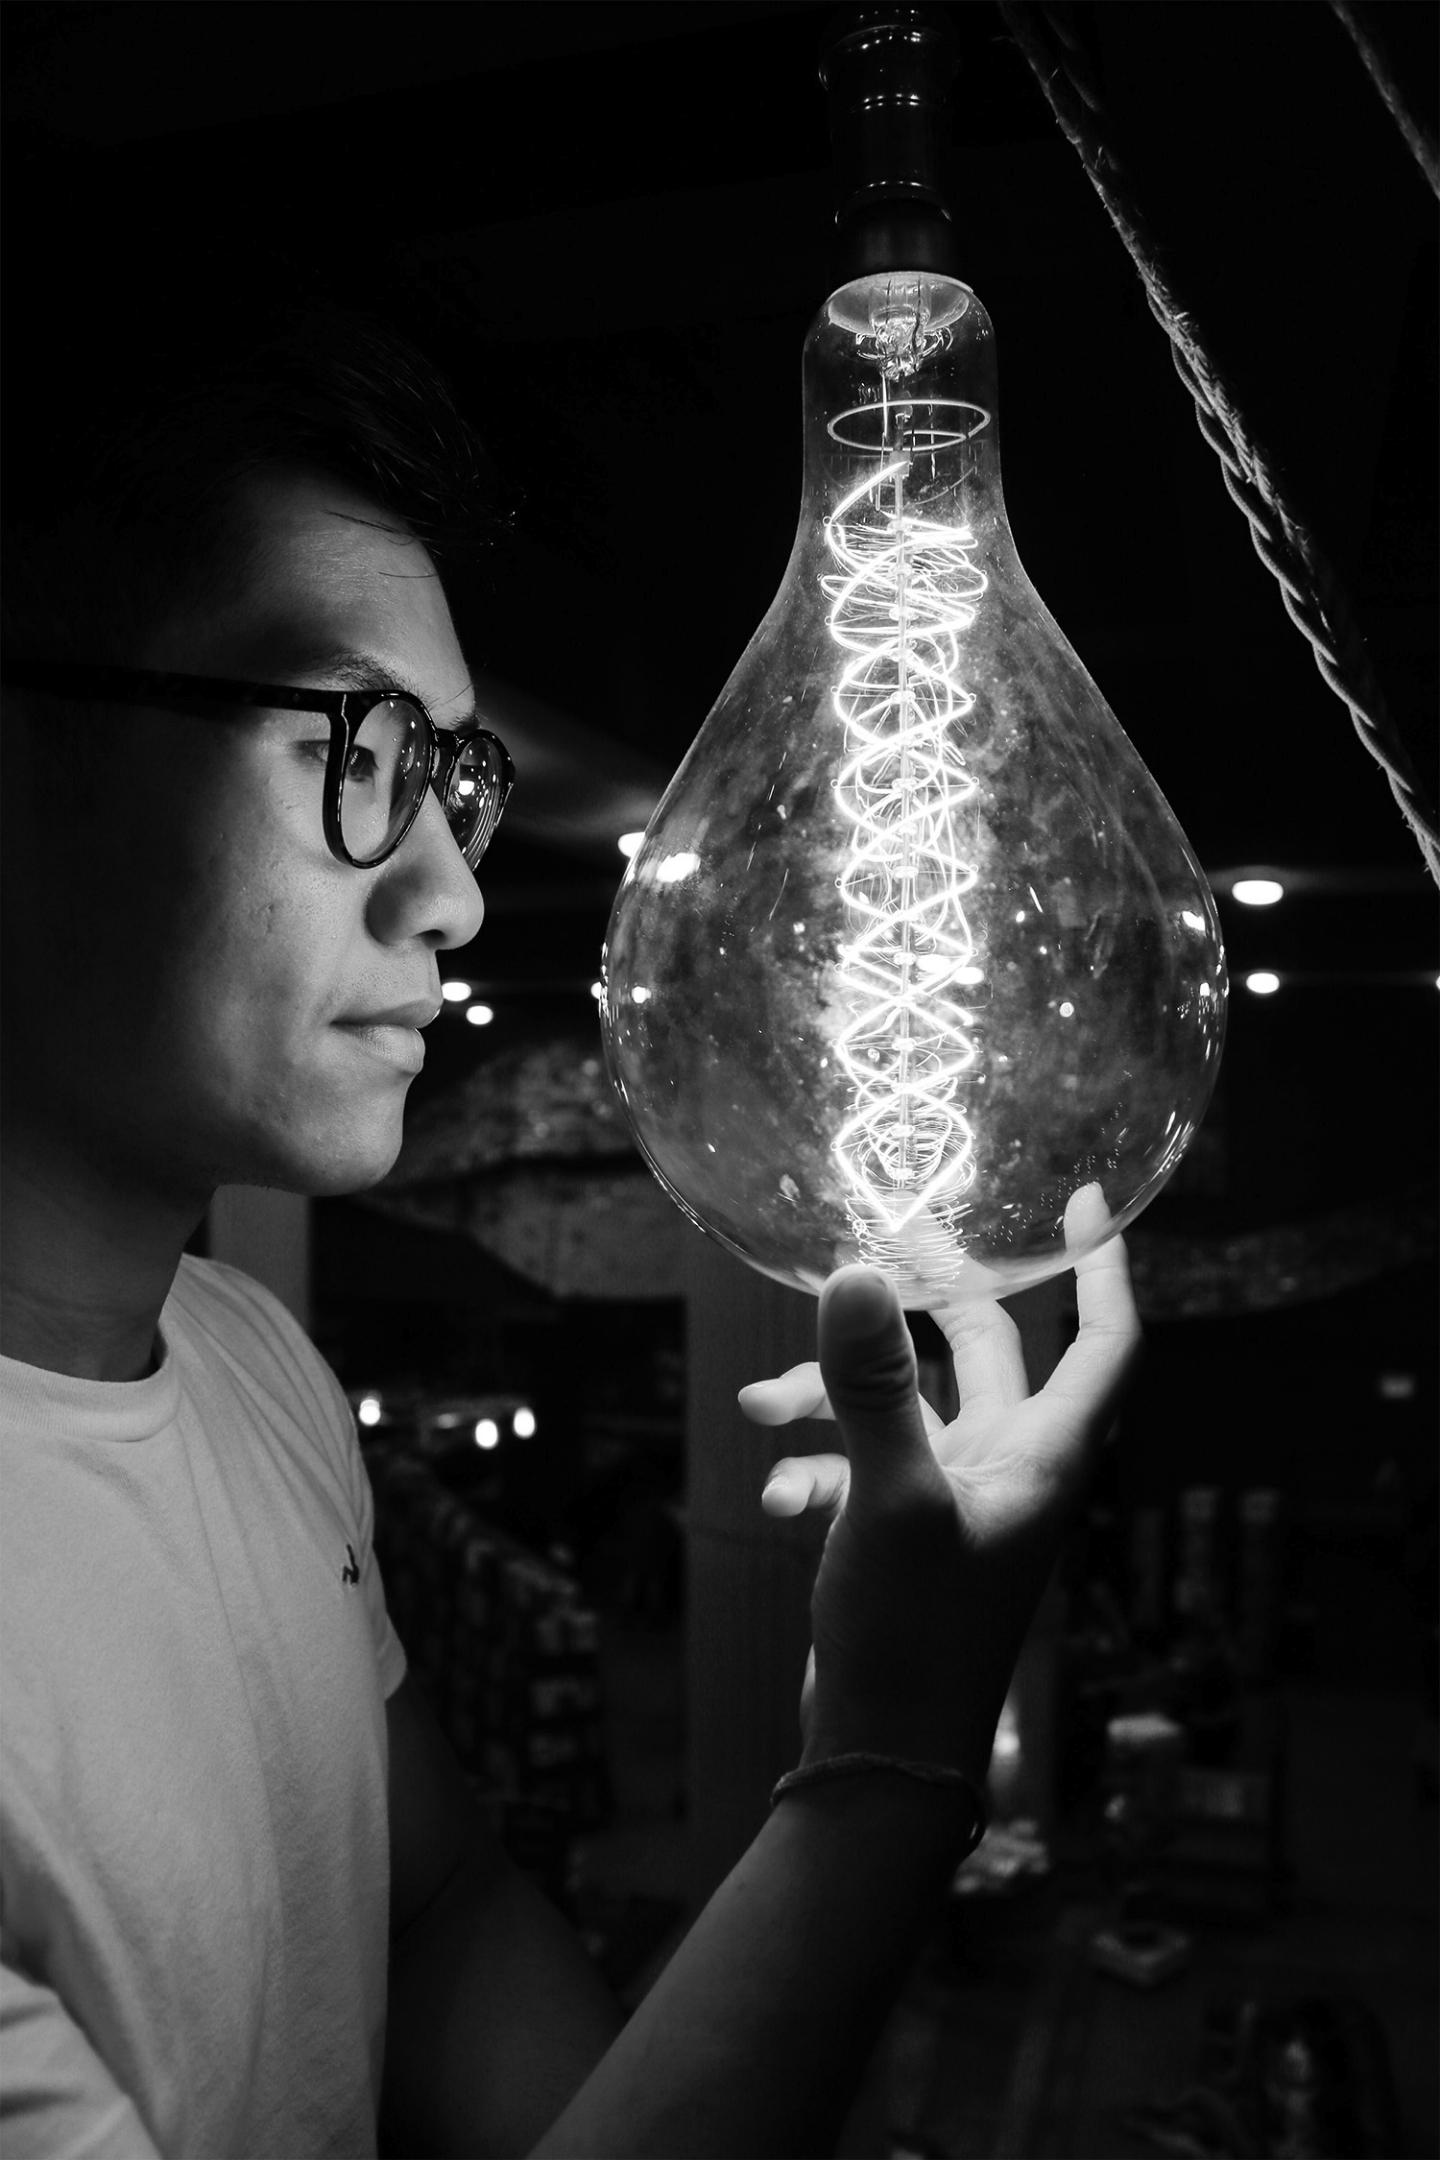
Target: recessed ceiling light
[[1262, 982], [455, 993], [1257, 891], [480, 1015]]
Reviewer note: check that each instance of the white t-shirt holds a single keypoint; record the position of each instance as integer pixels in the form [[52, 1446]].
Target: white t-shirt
[[194, 1657]]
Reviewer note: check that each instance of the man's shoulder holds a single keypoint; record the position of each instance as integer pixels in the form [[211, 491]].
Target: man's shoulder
[[219, 1311], [215, 1296]]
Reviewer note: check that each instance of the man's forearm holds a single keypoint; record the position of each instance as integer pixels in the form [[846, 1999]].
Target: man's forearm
[[754, 2037], [496, 2015]]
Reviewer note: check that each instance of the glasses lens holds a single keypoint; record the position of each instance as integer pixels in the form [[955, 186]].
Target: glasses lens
[[384, 777], [476, 796]]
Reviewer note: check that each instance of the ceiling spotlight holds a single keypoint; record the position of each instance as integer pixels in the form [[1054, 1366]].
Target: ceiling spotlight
[[487, 1433], [1262, 982], [479, 1015], [597, 991], [1257, 891], [455, 993], [368, 1410], [523, 1423], [629, 842]]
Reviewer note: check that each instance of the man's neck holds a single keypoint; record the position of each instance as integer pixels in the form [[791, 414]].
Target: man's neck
[[85, 1266]]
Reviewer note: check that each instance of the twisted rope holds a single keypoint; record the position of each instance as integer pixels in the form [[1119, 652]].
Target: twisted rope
[[1312, 594], [1418, 140]]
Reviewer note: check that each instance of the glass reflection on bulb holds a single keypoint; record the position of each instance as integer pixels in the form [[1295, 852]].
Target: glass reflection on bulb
[[939, 953]]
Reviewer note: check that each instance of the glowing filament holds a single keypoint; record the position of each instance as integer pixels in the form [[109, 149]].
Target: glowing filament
[[901, 604]]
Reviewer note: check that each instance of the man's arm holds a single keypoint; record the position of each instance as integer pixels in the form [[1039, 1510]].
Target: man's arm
[[750, 2042], [496, 2014], [753, 2038]]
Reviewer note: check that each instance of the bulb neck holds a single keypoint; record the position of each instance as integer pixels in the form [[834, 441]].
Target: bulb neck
[[888, 72]]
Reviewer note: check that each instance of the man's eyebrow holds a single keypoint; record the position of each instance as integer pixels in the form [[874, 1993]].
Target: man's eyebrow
[[342, 667]]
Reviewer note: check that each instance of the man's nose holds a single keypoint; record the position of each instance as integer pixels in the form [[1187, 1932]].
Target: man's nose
[[427, 889]]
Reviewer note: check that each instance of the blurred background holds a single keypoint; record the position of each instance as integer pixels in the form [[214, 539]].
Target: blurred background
[[612, 225]]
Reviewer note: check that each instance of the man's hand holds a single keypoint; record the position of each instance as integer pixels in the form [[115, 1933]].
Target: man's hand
[[941, 1536], [753, 2037]]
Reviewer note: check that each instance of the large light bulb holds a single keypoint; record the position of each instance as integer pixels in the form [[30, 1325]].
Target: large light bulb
[[913, 947]]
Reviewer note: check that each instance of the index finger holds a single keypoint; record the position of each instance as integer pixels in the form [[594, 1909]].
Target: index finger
[[799, 1393]]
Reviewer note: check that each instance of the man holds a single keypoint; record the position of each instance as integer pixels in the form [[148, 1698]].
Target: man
[[247, 1904]]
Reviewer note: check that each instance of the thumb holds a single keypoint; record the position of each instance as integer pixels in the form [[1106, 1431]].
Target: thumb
[[868, 1363]]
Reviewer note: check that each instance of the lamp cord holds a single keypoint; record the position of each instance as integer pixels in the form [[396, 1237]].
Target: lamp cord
[[1313, 595], [1418, 141]]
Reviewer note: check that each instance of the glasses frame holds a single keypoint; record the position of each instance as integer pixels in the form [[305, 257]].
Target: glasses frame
[[346, 710]]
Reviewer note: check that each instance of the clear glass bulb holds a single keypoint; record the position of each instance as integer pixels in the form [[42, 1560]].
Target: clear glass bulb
[[913, 947]]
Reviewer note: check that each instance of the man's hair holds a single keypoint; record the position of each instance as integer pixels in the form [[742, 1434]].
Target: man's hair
[[136, 406]]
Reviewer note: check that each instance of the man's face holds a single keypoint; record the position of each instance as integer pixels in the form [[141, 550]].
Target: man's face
[[197, 992]]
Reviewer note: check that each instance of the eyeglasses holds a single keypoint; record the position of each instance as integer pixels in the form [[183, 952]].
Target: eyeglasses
[[384, 751]]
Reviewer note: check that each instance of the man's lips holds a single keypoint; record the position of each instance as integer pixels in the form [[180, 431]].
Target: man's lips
[[393, 1036], [417, 1014]]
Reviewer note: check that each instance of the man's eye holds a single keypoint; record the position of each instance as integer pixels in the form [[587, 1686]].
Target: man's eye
[[359, 765]]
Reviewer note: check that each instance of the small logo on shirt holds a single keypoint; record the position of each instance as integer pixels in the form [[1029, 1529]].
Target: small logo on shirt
[[351, 1573]]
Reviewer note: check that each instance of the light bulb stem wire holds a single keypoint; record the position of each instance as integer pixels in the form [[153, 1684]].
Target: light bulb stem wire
[[1312, 593], [905, 1045]]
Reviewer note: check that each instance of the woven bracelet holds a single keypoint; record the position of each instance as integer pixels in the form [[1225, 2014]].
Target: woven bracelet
[[927, 1773]]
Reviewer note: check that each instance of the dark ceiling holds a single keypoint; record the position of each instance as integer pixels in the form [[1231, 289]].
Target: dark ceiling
[[611, 223]]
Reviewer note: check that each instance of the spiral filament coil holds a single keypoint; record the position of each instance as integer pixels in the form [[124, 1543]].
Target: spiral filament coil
[[906, 592]]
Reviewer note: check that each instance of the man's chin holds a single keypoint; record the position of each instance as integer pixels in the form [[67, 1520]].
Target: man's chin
[[339, 1186], [330, 1171], [342, 1178]]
